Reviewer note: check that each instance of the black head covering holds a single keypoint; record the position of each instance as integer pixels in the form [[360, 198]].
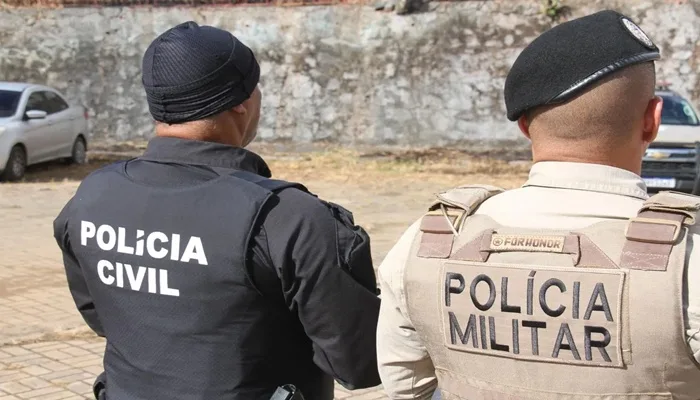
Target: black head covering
[[191, 72], [567, 59]]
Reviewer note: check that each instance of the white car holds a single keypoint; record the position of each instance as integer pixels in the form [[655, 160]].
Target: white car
[[36, 125]]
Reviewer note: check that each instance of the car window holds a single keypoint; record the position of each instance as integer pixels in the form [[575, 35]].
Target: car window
[[56, 103], [677, 111], [38, 101], [8, 102]]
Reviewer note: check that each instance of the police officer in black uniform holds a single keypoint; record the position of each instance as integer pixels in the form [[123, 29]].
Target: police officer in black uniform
[[208, 279]]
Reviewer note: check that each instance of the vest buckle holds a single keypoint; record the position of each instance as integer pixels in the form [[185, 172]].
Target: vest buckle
[[655, 231]]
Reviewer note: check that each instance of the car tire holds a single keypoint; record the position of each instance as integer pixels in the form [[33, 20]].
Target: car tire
[[79, 152], [16, 165]]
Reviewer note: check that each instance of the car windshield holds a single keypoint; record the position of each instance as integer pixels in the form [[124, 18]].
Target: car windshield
[[8, 102], [677, 111]]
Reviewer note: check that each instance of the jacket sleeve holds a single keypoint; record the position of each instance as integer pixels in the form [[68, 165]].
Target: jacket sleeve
[[74, 274], [324, 263]]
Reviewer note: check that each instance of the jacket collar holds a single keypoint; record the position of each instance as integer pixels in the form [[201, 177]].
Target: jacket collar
[[195, 152], [588, 177]]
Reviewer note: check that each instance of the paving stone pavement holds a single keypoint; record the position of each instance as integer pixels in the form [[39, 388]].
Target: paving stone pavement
[[58, 370], [33, 293], [50, 370], [39, 359]]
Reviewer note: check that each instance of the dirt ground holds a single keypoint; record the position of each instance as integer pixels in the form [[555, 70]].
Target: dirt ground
[[386, 190]]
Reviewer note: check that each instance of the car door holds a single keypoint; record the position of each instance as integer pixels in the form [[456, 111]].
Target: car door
[[36, 132], [63, 122]]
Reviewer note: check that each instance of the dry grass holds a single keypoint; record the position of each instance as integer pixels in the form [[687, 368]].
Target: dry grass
[[351, 166], [343, 165]]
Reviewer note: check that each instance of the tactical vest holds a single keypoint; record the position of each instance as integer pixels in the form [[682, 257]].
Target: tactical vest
[[173, 292], [592, 313]]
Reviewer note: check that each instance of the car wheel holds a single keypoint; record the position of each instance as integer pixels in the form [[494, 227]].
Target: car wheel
[[79, 154], [16, 165]]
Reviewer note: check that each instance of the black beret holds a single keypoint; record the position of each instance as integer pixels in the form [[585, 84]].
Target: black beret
[[565, 60], [191, 72]]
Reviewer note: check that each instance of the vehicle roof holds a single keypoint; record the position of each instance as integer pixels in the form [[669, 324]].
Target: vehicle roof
[[21, 86], [668, 93]]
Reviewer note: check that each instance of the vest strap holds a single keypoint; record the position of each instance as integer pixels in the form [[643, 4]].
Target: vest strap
[[467, 197], [657, 227], [446, 215], [437, 235]]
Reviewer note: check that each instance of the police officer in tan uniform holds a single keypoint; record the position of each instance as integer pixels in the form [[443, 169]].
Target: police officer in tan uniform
[[577, 285]]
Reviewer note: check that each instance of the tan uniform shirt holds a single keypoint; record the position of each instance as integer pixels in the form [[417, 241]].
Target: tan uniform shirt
[[557, 195]]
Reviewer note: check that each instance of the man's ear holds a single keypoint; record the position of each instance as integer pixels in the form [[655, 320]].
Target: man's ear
[[652, 119], [524, 126], [240, 109]]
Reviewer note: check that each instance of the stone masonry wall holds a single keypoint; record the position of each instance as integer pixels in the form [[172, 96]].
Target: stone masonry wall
[[345, 74]]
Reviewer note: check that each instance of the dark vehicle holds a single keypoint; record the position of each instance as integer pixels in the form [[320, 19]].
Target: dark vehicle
[[672, 161]]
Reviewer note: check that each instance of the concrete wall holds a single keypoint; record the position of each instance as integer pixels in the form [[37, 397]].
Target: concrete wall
[[345, 73]]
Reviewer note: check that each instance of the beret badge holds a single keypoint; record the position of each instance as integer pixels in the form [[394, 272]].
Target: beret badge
[[637, 32]]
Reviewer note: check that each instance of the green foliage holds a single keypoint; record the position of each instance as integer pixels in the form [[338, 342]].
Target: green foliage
[[554, 9]]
